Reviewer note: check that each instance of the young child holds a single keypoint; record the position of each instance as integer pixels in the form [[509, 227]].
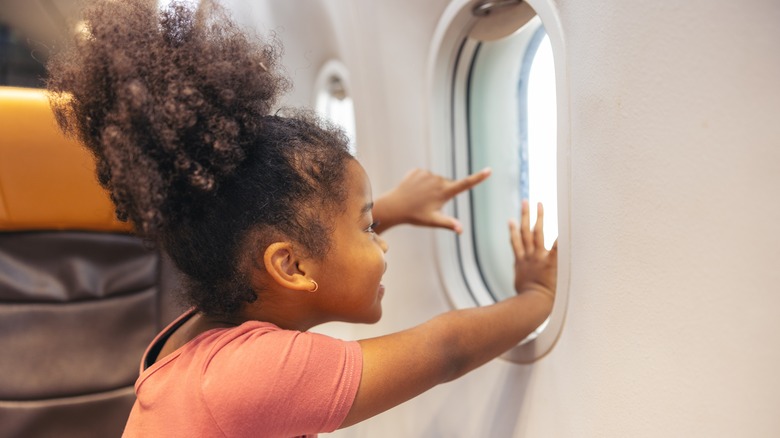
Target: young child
[[272, 223]]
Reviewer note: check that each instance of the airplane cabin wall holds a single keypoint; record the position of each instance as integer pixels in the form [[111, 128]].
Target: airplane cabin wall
[[675, 170]]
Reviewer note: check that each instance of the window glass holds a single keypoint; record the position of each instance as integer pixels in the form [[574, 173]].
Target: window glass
[[333, 100], [512, 129], [334, 104], [541, 112]]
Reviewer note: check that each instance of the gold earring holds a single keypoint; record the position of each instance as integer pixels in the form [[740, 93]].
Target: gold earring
[[316, 286]]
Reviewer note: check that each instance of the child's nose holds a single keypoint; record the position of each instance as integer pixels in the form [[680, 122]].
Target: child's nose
[[383, 244]]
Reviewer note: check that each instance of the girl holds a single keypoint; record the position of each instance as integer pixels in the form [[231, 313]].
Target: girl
[[272, 223]]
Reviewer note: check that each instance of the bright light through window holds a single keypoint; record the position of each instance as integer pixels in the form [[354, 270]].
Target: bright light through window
[[333, 100], [334, 104], [542, 139]]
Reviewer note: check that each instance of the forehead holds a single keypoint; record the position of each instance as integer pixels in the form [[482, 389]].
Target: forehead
[[358, 185]]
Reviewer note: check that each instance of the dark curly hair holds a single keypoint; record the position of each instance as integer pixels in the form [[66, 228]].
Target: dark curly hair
[[176, 105]]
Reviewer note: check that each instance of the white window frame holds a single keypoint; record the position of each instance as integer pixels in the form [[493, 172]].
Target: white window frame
[[335, 69], [456, 259]]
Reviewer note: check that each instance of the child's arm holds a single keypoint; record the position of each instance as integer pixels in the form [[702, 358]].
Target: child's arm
[[400, 366], [418, 199]]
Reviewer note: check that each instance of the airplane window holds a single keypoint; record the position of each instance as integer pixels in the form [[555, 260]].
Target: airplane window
[[499, 100], [512, 129], [333, 100]]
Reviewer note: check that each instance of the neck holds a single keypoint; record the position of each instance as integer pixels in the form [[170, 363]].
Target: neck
[[288, 315]]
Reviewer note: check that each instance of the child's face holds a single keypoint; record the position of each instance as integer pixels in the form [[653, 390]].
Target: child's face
[[350, 274]]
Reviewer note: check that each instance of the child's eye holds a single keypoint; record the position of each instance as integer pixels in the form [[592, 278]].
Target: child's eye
[[371, 227]]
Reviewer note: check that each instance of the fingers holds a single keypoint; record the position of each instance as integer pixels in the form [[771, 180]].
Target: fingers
[[539, 227], [441, 220], [553, 255], [514, 237], [468, 182], [528, 240], [525, 228]]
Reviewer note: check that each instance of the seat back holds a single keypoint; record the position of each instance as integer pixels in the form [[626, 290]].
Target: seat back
[[80, 297]]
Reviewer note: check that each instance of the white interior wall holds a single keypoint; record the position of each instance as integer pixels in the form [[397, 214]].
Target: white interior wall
[[675, 244]]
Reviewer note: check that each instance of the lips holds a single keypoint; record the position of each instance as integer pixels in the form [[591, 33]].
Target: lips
[[381, 290]]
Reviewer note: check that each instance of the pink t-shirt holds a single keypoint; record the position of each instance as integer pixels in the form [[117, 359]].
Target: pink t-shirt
[[254, 380]]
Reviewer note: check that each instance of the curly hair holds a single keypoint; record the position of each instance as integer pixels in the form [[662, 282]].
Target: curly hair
[[175, 105]]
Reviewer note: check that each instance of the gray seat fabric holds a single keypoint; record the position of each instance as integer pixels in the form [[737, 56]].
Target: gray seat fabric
[[77, 310]]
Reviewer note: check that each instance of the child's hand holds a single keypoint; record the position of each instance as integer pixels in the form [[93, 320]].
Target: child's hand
[[536, 268], [418, 200], [461, 340]]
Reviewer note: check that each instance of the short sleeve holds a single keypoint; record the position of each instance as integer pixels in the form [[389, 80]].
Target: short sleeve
[[273, 382]]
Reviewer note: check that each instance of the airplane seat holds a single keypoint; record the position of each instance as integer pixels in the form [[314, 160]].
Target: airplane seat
[[80, 297]]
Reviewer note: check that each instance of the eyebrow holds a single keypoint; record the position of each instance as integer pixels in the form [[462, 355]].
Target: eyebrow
[[366, 208]]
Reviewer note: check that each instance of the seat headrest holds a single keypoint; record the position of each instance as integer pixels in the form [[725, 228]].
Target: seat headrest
[[47, 181]]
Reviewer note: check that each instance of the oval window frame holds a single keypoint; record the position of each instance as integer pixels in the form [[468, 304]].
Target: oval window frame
[[448, 95], [332, 70]]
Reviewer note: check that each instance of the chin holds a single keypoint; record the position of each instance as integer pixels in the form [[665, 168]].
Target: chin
[[374, 317], [376, 320]]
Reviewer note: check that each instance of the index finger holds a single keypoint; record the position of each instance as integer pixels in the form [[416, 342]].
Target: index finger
[[468, 182]]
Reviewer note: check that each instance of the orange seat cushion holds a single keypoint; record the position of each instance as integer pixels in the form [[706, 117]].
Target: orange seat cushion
[[47, 181]]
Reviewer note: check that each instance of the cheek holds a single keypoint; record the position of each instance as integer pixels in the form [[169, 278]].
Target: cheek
[[368, 270], [378, 261], [378, 267]]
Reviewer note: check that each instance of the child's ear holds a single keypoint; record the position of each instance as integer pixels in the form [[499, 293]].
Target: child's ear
[[284, 266]]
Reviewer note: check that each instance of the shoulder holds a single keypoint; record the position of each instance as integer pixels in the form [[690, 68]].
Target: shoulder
[[260, 375], [240, 352], [253, 338]]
